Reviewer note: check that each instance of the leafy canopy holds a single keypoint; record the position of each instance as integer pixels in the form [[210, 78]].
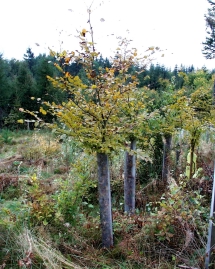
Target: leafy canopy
[[93, 113]]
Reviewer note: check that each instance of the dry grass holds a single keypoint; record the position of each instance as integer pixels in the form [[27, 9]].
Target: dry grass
[[34, 247]]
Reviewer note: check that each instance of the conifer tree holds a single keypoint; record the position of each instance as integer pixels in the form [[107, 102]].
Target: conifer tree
[[209, 44], [5, 91], [29, 58]]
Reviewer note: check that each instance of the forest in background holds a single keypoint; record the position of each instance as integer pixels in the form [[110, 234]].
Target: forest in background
[[21, 80]]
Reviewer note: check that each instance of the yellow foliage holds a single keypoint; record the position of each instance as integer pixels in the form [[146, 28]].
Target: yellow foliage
[[83, 32], [95, 117], [43, 111], [34, 177]]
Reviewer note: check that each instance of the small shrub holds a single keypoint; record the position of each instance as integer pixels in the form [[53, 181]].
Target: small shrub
[[41, 205], [67, 203], [178, 222], [72, 202]]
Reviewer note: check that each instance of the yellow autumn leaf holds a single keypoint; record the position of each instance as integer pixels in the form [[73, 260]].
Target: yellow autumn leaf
[[43, 111], [34, 177], [67, 74], [63, 54], [83, 32], [20, 121], [58, 67], [70, 79], [52, 53], [67, 59]]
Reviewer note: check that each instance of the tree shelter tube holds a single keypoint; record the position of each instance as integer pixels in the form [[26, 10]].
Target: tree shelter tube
[[105, 199], [130, 179]]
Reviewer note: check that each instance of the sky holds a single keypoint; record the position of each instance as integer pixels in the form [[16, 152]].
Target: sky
[[177, 27]]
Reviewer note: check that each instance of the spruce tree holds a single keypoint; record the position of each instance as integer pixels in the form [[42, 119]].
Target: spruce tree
[[209, 45], [30, 59]]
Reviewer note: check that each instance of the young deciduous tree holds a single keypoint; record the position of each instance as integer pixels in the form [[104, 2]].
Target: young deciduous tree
[[134, 114], [92, 114], [165, 124], [193, 112]]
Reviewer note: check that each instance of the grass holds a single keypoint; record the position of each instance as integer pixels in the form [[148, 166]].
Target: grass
[[51, 217]]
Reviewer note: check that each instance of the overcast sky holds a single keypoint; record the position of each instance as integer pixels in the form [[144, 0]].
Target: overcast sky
[[177, 27]]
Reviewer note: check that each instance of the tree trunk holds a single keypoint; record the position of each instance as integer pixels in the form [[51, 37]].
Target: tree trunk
[[105, 200], [166, 156], [177, 161], [192, 169], [130, 180], [192, 160]]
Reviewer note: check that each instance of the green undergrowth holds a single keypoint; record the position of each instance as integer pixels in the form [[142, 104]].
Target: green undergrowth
[[49, 215]]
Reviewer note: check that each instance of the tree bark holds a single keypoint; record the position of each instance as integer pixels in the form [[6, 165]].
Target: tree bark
[[105, 199], [166, 156], [130, 180], [177, 161], [192, 169], [192, 160]]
